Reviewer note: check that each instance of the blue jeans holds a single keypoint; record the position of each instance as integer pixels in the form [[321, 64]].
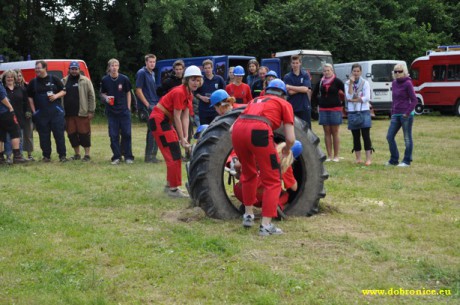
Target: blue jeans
[[396, 123]]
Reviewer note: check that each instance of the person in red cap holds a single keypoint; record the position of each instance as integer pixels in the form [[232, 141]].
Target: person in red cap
[[252, 138], [173, 109]]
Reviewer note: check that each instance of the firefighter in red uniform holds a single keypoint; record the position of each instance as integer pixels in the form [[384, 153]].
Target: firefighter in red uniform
[[173, 109], [252, 138]]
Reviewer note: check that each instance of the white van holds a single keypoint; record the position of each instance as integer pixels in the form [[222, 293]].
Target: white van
[[379, 74]]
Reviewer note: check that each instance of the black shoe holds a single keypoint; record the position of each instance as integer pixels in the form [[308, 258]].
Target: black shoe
[[86, 158], [19, 159], [46, 160], [75, 157], [63, 159]]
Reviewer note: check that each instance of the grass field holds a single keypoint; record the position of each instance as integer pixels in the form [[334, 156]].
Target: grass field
[[94, 233]]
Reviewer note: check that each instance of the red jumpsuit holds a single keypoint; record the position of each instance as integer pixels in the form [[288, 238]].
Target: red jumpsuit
[[252, 139], [242, 92], [165, 135], [288, 181]]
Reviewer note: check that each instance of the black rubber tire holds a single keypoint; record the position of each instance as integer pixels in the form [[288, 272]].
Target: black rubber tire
[[457, 108], [206, 171], [419, 108]]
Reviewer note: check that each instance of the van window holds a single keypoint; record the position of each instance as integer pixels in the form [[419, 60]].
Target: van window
[[314, 63], [414, 74], [453, 72], [56, 73], [439, 73], [220, 69], [382, 72]]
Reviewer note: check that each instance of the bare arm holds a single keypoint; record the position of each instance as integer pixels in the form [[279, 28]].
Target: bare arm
[[180, 128], [6, 102], [289, 136], [128, 98], [31, 104]]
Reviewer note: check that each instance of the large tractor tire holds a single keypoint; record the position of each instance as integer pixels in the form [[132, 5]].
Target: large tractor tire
[[208, 182]]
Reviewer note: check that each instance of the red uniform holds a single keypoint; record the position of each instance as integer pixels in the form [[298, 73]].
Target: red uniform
[[288, 181], [161, 125], [252, 139], [242, 92]]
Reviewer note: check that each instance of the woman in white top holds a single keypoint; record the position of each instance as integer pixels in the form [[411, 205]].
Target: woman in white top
[[358, 95]]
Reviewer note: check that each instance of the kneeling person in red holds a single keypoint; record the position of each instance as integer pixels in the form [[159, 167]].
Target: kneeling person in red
[[173, 109], [252, 138]]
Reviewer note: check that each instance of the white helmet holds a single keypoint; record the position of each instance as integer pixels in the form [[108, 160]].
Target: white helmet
[[192, 71]]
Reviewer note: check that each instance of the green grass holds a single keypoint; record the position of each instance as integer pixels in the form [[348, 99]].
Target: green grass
[[94, 233]]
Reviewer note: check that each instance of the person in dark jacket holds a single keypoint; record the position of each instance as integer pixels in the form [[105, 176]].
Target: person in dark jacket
[[402, 115]]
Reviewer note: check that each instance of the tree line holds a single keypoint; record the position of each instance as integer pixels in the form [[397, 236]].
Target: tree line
[[97, 30]]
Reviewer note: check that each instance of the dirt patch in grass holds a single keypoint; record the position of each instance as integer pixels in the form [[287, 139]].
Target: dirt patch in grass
[[185, 215]]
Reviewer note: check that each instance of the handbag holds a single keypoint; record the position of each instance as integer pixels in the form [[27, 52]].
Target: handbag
[[356, 118]]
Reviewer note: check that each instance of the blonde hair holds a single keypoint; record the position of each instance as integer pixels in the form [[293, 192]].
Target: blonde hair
[[400, 67], [110, 62], [9, 73], [329, 66], [285, 161]]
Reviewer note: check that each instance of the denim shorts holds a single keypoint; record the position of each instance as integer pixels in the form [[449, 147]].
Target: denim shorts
[[330, 117]]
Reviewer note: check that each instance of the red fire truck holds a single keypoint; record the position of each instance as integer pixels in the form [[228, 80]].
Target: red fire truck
[[436, 79]]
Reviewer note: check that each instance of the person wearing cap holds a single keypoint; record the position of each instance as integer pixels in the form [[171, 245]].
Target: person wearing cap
[[271, 75], [45, 92], [239, 90], [146, 92], [116, 95], [211, 83], [258, 85], [253, 142], [298, 84], [79, 106], [169, 122]]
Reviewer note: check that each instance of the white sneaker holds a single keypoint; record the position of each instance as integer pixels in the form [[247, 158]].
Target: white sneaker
[[177, 193], [402, 164], [269, 230], [248, 220], [115, 162], [129, 161]]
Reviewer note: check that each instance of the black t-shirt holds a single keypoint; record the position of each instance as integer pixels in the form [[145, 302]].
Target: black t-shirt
[[43, 85], [72, 96], [19, 101]]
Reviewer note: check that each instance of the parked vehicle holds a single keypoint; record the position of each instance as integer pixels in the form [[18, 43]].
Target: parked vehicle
[[436, 79], [379, 75], [221, 63], [57, 67]]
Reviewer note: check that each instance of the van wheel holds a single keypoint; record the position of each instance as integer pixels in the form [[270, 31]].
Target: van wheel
[[457, 108], [419, 108], [211, 188]]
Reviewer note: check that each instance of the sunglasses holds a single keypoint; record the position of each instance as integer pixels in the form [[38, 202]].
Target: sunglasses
[[398, 71]]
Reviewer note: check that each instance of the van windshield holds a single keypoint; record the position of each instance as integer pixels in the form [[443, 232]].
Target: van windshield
[[314, 63], [382, 72]]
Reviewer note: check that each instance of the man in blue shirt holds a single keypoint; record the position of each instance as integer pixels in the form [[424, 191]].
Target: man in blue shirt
[[9, 124], [146, 92], [298, 85], [211, 83]]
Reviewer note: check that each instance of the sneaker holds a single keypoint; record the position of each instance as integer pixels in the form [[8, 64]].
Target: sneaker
[[86, 158], [328, 160], [336, 159], [129, 161], [115, 162], [75, 157], [269, 230], [402, 164], [166, 189], [177, 193], [152, 160], [30, 158], [389, 164], [19, 159], [248, 220], [63, 159], [46, 160]]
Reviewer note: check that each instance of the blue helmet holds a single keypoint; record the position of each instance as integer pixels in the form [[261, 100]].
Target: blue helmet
[[277, 84], [200, 130], [238, 71], [218, 96], [272, 73], [297, 149]]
